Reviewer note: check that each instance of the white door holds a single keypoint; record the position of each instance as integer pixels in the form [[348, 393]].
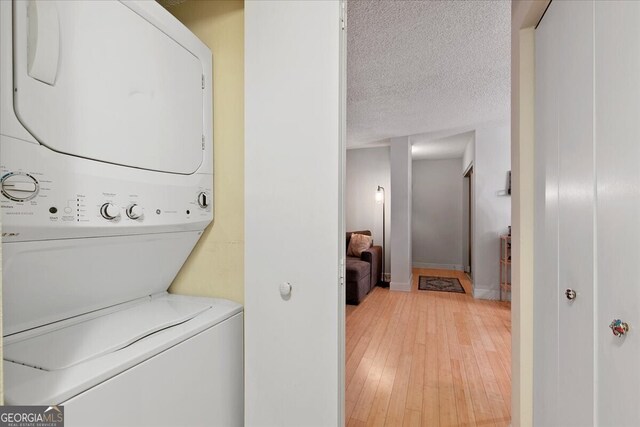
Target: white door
[[617, 129], [587, 213], [564, 111], [293, 227]]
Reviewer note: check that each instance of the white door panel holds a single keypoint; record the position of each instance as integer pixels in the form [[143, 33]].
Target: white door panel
[[72, 98], [617, 91], [587, 141], [564, 116], [575, 212], [292, 221]]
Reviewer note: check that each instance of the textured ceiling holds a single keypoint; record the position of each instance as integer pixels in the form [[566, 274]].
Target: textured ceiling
[[425, 68], [450, 147]]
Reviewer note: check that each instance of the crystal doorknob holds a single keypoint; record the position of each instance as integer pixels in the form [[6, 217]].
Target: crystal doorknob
[[619, 328]]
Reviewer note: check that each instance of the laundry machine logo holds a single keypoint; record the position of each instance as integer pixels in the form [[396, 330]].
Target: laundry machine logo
[[31, 416]]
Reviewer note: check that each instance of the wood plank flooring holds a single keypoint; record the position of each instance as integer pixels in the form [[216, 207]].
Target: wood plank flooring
[[424, 358]]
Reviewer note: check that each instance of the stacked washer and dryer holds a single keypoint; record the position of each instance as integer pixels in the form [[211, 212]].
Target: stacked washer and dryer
[[107, 179]]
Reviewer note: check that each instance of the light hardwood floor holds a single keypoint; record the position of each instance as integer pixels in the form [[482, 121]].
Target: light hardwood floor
[[424, 358]]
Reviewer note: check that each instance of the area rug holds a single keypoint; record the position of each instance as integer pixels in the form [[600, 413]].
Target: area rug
[[442, 284]]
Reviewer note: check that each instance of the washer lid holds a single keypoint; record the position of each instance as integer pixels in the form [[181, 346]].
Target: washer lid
[[93, 338], [99, 81]]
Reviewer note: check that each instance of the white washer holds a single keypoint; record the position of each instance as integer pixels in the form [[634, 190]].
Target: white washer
[[107, 184]]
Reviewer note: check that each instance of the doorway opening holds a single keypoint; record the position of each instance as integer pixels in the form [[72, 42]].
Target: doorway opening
[[442, 161]]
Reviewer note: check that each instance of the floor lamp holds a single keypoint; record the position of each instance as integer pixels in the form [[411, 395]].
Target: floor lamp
[[380, 198]]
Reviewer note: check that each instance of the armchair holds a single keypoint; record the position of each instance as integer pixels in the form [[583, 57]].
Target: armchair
[[362, 273]]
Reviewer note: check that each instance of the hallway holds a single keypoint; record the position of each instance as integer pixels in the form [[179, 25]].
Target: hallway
[[428, 358]]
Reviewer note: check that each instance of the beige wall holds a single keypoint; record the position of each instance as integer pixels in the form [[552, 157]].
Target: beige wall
[[525, 15], [522, 229], [216, 265]]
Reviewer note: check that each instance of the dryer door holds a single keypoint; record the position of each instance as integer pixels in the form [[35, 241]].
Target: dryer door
[[97, 80]]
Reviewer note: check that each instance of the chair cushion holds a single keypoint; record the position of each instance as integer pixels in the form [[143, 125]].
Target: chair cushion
[[349, 233], [359, 243], [356, 269]]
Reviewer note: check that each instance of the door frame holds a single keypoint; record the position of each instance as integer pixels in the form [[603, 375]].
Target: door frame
[[469, 175], [525, 15], [342, 143]]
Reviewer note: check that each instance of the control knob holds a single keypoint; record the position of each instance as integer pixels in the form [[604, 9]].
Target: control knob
[[110, 211], [135, 211], [203, 200], [19, 187]]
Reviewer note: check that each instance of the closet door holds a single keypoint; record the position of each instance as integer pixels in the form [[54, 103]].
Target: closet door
[[293, 233], [617, 92], [565, 238], [575, 214]]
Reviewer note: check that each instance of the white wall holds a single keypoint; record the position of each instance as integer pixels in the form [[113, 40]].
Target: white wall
[[492, 210], [293, 230], [437, 224], [366, 169], [401, 214]]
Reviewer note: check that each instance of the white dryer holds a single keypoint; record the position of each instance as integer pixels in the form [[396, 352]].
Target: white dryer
[[107, 183]]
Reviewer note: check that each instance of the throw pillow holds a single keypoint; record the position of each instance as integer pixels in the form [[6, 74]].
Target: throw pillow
[[358, 244]]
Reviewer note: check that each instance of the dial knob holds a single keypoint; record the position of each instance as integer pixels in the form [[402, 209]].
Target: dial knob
[[19, 187], [134, 211], [110, 211], [203, 200]]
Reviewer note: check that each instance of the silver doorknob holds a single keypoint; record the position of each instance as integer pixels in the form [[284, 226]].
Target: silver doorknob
[[619, 328], [570, 294]]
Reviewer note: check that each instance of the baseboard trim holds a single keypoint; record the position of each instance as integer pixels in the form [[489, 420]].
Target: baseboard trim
[[456, 267], [401, 286], [488, 294]]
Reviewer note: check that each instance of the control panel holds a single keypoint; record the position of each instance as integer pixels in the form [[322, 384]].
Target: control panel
[[70, 197]]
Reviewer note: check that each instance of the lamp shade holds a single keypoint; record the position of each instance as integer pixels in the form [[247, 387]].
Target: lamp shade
[[380, 195]]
